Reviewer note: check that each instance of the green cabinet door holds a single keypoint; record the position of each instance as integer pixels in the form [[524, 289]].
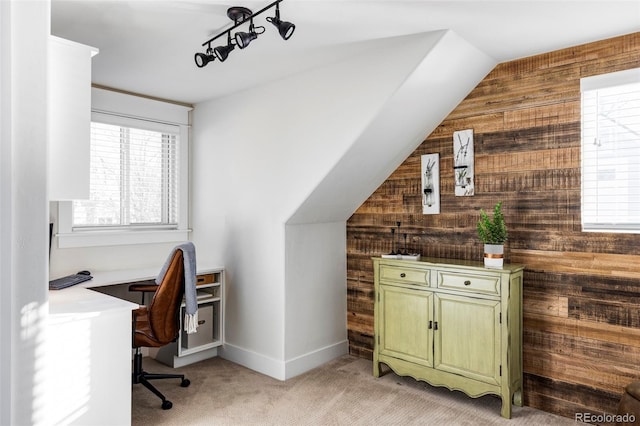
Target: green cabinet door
[[468, 337], [404, 323]]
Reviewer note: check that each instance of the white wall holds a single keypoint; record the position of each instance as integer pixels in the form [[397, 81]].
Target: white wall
[[262, 158], [315, 295], [24, 32]]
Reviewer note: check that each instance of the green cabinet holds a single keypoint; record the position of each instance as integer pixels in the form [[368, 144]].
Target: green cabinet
[[451, 323]]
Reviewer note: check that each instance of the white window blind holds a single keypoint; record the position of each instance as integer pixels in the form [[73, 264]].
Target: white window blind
[[611, 152], [134, 175]]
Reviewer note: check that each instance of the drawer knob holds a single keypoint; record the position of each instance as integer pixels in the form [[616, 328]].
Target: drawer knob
[[402, 275], [467, 282]]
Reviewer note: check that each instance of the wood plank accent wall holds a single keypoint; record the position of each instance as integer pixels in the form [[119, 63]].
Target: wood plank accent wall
[[581, 290]]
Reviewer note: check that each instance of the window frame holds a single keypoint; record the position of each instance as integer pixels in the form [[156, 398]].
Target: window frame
[[130, 108], [589, 84]]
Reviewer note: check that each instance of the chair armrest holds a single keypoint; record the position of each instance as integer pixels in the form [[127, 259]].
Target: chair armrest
[[144, 287]]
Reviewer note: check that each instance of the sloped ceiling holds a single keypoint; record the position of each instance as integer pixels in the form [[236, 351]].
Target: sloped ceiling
[[420, 103], [147, 46]]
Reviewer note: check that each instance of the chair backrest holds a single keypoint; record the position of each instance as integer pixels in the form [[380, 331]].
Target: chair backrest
[[164, 309]]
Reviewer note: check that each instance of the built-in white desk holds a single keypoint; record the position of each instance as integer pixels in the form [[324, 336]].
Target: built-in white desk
[[89, 350], [102, 279]]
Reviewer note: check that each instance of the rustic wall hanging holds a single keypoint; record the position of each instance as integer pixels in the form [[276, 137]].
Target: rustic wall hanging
[[463, 162], [431, 184]]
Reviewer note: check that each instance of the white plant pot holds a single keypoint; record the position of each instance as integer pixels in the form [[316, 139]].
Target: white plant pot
[[494, 256]]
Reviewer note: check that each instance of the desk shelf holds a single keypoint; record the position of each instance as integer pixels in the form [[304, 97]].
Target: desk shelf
[[203, 344]]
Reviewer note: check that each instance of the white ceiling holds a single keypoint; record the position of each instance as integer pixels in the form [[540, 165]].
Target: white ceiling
[[148, 46]]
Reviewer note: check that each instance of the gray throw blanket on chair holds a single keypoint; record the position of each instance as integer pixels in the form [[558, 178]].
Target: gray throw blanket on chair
[[189, 257]]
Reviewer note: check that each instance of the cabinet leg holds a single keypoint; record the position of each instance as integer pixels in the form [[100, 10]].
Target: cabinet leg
[[517, 398], [376, 369], [506, 406]]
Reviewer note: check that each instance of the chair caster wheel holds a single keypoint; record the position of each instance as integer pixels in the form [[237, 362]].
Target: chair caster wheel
[[166, 405], [185, 383]]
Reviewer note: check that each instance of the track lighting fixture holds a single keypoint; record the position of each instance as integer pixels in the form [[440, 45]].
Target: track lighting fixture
[[240, 15]]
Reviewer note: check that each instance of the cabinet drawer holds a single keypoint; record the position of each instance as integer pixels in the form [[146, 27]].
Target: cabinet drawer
[[202, 279], [204, 334], [476, 283], [410, 276]]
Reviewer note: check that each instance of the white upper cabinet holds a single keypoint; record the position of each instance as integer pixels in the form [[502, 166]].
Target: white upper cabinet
[[69, 118]]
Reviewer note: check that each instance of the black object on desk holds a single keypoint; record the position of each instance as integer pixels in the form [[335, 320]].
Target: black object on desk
[[68, 281]]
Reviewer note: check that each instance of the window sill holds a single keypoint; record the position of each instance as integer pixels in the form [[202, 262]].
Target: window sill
[[118, 238]]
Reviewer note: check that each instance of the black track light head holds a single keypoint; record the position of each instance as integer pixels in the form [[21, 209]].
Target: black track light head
[[222, 52], [285, 28], [202, 59], [243, 39]]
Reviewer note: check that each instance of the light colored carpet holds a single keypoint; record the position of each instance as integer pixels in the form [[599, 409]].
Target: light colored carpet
[[341, 392]]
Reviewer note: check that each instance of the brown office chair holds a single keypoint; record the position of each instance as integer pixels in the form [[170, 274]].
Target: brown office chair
[[159, 323]]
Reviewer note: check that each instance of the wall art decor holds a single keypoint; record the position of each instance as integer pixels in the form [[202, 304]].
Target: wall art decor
[[463, 162], [431, 184]]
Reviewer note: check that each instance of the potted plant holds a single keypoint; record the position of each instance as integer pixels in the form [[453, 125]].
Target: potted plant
[[493, 233]]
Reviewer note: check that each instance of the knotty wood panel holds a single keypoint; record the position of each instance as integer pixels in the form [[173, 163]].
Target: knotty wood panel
[[540, 391], [581, 290]]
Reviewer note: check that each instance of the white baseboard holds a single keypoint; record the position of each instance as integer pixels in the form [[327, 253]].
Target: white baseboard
[[311, 360], [253, 360], [282, 370]]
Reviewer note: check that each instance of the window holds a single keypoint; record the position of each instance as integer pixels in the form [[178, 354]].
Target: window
[[134, 176], [611, 152], [139, 160]]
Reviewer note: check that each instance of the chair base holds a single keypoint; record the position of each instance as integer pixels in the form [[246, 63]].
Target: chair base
[[140, 376]]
